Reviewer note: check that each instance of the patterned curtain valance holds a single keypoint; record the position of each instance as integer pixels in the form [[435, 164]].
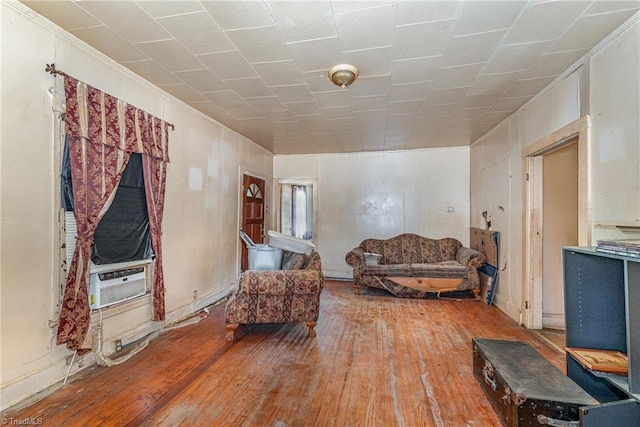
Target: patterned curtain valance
[[112, 122]]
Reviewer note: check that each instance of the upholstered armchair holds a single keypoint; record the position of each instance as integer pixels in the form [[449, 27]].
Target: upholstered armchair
[[277, 296]]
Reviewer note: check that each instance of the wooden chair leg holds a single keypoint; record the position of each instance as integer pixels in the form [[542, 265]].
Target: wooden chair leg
[[231, 331], [476, 293], [356, 289], [312, 332]]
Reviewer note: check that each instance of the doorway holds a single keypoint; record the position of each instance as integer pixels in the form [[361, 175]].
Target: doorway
[[554, 166], [253, 196], [559, 226], [297, 210]]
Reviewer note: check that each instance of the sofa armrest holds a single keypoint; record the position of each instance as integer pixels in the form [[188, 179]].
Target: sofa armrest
[[355, 257], [470, 258]]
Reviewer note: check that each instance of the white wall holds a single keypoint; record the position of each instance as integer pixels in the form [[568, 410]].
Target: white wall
[[607, 88], [382, 194], [200, 239]]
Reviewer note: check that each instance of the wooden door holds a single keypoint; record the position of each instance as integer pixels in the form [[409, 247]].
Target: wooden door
[[252, 213]]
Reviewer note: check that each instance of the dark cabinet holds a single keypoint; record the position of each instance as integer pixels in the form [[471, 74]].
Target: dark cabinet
[[602, 311]]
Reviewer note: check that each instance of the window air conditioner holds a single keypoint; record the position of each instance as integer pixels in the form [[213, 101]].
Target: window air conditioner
[[116, 286]]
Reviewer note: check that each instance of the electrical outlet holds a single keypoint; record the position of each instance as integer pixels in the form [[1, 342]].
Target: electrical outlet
[[118, 345]]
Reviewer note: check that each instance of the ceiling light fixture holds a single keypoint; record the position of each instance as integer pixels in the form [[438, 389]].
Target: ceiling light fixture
[[343, 75]]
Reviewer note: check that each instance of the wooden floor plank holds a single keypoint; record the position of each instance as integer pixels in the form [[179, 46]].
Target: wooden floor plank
[[377, 360]]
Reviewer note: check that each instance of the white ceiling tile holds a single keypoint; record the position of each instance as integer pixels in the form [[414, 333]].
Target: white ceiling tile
[[368, 103], [259, 124], [471, 49], [293, 93], [208, 108], [422, 40], [461, 76], [528, 87], [266, 104], [157, 9], [441, 110], [301, 108], [226, 99], [197, 32], [509, 104], [493, 83], [371, 62], [228, 65], [413, 12], [202, 80], [153, 72], [262, 44], [473, 101], [612, 6], [515, 57], [401, 124], [557, 16], [67, 15], [427, 122], [303, 20], [171, 55], [127, 20], [109, 43], [414, 70], [231, 15], [314, 122], [405, 107], [249, 87], [279, 73], [552, 64], [372, 120], [589, 30], [445, 96], [369, 86], [314, 55], [366, 28], [318, 81], [338, 98], [278, 116], [484, 16], [496, 116], [468, 113], [184, 92], [409, 92], [340, 6], [241, 112], [338, 112]]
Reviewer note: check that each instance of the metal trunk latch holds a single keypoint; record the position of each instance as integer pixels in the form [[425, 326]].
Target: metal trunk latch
[[487, 371]]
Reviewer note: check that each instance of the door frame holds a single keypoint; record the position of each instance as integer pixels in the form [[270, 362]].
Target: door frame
[[242, 171], [306, 181], [532, 156]]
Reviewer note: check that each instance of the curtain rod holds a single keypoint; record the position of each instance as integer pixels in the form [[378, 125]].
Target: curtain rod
[[51, 69]]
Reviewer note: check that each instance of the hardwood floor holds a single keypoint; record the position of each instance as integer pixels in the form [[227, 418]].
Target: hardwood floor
[[377, 360]]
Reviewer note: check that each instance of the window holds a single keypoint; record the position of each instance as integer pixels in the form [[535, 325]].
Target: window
[[296, 209], [123, 234]]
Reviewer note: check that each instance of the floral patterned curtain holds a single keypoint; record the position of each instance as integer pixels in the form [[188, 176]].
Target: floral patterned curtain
[[103, 132]]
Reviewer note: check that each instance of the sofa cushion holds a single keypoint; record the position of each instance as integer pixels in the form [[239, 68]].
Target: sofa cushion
[[439, 269], [387, 270], [294, 261]]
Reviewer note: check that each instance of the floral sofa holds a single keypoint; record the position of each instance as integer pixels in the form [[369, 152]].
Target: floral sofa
[[413, 266], [277, 296]]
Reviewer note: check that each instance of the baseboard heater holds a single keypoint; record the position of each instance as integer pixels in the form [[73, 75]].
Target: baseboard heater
[[114, 287]]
